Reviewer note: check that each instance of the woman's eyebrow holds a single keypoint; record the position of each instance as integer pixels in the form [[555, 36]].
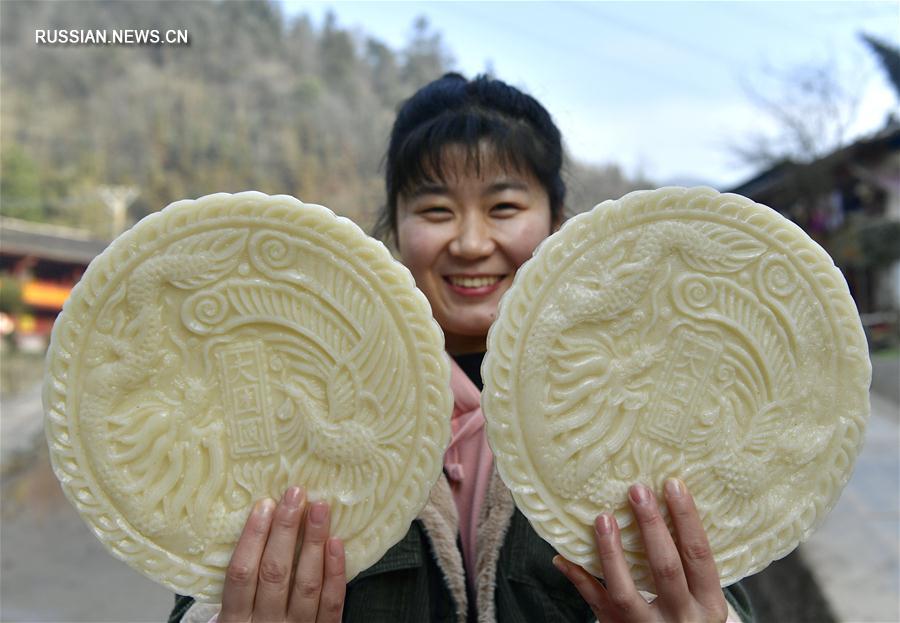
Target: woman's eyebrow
[[497, 187], [427, 189]]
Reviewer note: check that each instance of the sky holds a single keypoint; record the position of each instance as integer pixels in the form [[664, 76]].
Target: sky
[[658, 87]]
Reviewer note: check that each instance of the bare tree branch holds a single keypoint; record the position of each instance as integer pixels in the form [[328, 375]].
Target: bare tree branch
[[810, 107]]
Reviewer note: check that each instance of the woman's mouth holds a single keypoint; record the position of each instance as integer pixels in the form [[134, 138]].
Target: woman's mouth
[[473, 285]]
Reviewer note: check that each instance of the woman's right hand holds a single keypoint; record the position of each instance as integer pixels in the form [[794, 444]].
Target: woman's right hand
[[684, 570], [259, 583]]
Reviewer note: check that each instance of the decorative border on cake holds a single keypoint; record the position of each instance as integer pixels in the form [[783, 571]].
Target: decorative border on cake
[[114, 531], [517, 303]]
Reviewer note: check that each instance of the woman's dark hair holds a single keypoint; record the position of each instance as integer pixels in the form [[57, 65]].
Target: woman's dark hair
[[454, 111]]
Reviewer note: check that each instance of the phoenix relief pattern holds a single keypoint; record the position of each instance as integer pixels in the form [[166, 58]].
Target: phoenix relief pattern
[[229, 365], [685, 356]]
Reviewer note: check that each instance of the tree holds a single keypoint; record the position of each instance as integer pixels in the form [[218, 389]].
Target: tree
[[425, 57], [811, 109], [386, 80], [338, 57], [20, 186], [587, 185], [890, 59]]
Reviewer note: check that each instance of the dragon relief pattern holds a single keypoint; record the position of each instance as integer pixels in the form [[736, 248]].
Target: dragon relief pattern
[[234, 363], [666, 364], [684, 347]]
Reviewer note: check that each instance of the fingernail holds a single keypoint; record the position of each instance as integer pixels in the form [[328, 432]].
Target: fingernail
[[559, 563], [264, 507], [603, 525], [292, 497], [335, 547], [639, 494], [674, 488], [317, 513]]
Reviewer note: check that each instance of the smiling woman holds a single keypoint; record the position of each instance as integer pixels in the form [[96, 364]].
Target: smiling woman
[[474, 183], [464, 239]]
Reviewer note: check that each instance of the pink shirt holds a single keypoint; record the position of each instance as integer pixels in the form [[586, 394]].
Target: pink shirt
[[468, 463]]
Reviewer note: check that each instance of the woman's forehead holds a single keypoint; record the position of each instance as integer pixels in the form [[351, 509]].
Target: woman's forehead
[[455, 162]]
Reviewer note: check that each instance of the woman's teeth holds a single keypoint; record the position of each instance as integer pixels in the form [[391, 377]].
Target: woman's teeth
[[474, 282]]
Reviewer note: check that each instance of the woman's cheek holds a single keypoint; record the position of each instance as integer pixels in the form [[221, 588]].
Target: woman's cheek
[[526, 240], [416, 248]]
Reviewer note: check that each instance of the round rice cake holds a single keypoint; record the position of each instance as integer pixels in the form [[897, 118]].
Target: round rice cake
[[226, 348], [686, 333]]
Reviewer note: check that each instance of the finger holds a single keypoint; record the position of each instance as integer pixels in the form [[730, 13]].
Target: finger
[[239, 590], [304, 601], [588, 587], [693, 545], [334, 586], [662, 555], [278, 558], [621, 592]]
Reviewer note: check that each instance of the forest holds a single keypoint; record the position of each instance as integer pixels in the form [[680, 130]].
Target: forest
[[254, 101]]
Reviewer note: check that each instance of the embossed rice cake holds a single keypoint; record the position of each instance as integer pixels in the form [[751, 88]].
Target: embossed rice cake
[[678, 332], [226, 348]]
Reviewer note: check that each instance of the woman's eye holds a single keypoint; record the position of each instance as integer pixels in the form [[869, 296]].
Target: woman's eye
[[436, 212], [505, 209]]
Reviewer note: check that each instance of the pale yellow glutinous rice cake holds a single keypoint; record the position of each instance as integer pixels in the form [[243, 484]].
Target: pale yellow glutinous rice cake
[[226, 348], [687, 333]]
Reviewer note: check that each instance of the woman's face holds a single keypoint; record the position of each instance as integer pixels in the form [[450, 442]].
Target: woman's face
[[464, 240]]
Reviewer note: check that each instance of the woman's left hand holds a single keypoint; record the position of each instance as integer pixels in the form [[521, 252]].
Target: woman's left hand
[[687, 582]]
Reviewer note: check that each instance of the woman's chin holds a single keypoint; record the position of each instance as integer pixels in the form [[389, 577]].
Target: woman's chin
[[466, 336]]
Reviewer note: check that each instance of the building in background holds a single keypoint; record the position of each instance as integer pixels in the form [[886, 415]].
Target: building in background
[[39, 266], [849, 202]]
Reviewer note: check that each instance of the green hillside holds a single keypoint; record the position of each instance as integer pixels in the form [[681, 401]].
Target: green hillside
[[255, 101]]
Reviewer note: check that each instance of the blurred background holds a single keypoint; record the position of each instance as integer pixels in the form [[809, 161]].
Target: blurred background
[[792, 104]]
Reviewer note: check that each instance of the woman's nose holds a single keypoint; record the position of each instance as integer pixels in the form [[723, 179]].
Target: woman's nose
[[473, 239]]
